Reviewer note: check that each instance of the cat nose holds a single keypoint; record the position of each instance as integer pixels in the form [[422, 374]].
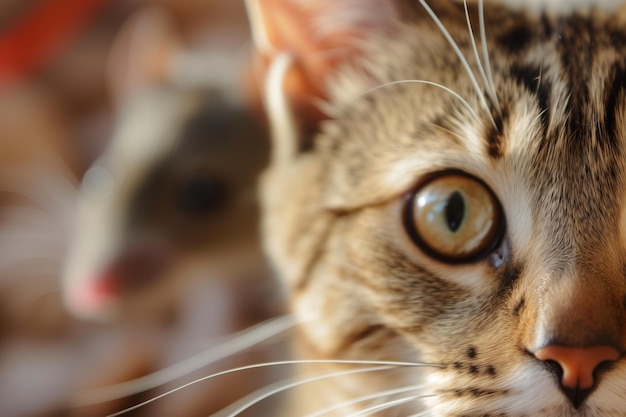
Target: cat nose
[[577, 367]]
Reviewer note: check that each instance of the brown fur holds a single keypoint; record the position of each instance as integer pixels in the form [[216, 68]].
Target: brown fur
[[553, 156]]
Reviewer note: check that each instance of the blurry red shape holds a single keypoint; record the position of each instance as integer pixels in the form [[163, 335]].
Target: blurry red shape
[[30, 41]]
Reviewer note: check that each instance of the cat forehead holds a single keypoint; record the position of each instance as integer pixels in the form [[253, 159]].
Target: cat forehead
[[557, 136], [559, 90]]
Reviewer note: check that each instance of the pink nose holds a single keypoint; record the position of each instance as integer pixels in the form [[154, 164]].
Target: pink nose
[[578, 366]]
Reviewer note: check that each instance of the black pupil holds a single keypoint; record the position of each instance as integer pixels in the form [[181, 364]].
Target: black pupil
[[200, 194], [455, 211]]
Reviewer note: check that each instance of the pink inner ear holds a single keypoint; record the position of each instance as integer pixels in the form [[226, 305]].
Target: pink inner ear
[[320, 36], [290, 27], [308, 28]]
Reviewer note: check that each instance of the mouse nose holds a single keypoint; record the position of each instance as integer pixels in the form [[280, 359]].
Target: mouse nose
[[577, 367]]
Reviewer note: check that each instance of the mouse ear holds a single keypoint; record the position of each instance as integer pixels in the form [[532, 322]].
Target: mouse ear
[[301, 44], [142, 53]]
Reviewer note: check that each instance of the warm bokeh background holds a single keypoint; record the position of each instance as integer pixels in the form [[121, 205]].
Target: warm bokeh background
[[57, 113]]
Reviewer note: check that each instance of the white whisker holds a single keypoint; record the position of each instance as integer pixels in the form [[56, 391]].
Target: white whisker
[[473, 43], [490, 88], [253, 395], [434, 84], [462, 58], [448, 131], [383, 364], [540, 76], [389, 404], [483, 40], [541, 113], [295, 384], [235, 344], [363, 398]]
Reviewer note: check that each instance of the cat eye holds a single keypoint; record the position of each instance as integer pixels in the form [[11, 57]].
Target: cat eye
[[455, 218]]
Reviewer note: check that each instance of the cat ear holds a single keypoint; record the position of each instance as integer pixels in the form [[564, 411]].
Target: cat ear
[[301, 43], [142, 52]]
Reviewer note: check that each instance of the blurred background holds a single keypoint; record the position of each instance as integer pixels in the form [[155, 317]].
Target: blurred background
[[131, 138]]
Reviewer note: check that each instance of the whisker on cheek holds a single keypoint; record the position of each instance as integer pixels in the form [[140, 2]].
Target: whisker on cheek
[[253, 396], [363, 398], [481, 70], [234, 344], [268, 390], [297, 383], [381, 365], [385, 406], [461, 57], [245, 368], [487, 61], [448, 90]]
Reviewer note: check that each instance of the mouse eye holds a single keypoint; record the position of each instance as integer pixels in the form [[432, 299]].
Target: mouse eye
[[454, 218], [200, 194]]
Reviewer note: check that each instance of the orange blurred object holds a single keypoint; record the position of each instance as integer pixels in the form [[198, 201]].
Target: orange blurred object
[[33, 39]]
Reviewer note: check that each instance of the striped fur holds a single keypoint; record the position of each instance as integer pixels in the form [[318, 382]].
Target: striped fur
[[551, 146]]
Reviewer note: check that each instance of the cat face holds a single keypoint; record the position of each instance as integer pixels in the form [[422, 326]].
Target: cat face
[[470, 218]]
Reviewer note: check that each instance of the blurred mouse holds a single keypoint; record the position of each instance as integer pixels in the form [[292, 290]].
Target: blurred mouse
[[174, 193], [165, 228]]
